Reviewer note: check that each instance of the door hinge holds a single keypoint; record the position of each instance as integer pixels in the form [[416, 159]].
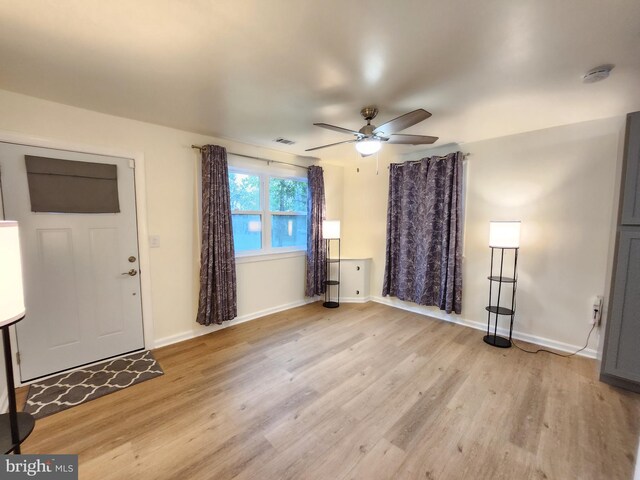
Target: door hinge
[[18, 358]]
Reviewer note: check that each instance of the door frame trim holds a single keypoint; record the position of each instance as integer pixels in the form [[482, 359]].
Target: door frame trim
[[141, 213]]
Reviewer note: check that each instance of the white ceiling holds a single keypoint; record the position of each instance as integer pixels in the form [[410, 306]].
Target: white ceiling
[[254, 70]]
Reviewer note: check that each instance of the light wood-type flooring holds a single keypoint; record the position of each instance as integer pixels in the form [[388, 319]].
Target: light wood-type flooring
[[363, 391]]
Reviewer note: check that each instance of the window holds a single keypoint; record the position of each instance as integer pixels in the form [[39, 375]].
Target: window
[[246, 216], [288, 210], [268, 212]]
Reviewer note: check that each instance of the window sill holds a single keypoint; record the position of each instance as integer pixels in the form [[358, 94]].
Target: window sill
[[270, 256]]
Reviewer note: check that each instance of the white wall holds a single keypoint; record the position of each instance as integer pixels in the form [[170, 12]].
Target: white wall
[[171, 199], [560, 183]]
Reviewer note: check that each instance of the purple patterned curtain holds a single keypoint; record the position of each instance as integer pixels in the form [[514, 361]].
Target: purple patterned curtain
[[424, 228], [316, 254], [218, 302]]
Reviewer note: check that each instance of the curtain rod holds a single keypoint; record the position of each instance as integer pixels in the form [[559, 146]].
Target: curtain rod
[[257, 158], [464, 157]]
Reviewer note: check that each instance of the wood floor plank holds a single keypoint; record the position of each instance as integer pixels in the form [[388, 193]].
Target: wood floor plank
[[364, 391], [381, 462], [426, 408]]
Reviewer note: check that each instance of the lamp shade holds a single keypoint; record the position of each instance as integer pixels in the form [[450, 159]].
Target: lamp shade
[[11, 293], [330, 229], [504, 234], [368, 146]]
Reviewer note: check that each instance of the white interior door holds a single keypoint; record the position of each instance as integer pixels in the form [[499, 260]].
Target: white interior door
[[82, 305]]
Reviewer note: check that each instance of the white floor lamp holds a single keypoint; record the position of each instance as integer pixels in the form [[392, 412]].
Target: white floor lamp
[[15, 426]]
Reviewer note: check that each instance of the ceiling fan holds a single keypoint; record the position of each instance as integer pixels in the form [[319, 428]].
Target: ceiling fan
[[369, 138]]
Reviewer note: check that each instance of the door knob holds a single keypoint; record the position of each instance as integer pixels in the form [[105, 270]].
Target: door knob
[[132, 273]]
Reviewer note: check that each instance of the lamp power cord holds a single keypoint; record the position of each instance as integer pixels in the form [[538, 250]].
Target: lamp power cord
[[555, 353]]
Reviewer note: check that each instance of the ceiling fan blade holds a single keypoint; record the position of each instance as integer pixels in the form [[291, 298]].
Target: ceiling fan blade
[[330, 145], [403, 121], [412, 139], [337, 129]]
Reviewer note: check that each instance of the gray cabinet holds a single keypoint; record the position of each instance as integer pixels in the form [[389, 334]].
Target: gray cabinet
[[623, 335], [631, 189], [621, 355]]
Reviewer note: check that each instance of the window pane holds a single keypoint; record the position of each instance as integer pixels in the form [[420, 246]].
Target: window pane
[[288, 230], [247, 232], [245, 191], [287, 195]]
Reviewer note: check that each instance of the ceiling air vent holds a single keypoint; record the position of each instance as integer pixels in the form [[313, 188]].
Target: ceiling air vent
[[284, 141]]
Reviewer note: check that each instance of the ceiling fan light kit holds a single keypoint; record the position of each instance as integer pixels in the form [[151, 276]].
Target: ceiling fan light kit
[[369, 138], [368, 146]]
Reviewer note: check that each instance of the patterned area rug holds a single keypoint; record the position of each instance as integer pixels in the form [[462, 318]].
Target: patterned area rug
[[73, 388]]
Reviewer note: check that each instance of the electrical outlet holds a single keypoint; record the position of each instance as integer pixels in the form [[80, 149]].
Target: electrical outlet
[[596, 310]]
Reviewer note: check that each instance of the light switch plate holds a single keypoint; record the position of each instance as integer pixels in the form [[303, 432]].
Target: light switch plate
[[154, 241]]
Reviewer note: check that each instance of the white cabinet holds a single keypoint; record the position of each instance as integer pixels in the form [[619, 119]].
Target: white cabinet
[[354, 280]]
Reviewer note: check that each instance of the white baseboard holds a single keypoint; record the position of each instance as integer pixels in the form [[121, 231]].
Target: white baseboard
[[525, 337], [202, 330], [355, 299], [394, 302]]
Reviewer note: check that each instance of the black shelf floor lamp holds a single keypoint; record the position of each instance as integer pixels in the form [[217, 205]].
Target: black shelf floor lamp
[[502, 236], [15, 426], [331, 233]]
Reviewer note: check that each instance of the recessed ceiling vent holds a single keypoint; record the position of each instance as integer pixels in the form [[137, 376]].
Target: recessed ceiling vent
[[284, 141], [597, 74]]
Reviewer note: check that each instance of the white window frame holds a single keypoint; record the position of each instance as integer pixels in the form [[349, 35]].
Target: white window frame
[[264, 174]]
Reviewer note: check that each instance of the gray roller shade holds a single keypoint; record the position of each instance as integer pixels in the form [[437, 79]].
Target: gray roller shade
[[66, 186]]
